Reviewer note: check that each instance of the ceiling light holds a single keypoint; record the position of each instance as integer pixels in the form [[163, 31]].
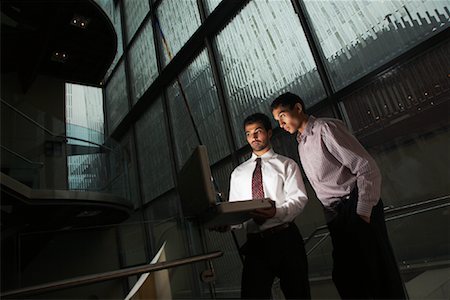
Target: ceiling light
[[59, 56], [79, 21]]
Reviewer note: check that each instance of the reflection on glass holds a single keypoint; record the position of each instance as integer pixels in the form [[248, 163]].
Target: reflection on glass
[[84, 108], [211, 5], [132, 241], [402, 118], [135, 11], [421, 238], [116, 98], [89, 166], [201, 94], [229, 266], [142, 58], [112, 9], [130, 166], [417, 89], [320, 260], [153, 152], [165, 224], [178, 20], [221, 176], [263, 52], [356, 37]]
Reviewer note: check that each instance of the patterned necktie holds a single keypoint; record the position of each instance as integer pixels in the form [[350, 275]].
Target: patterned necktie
[[257, 183]]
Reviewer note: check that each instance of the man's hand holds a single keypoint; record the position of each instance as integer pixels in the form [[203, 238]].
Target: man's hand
[[365, 218], [264, 213]]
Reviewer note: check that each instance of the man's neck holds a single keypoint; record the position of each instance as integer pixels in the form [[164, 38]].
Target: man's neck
[[261, 152], [303, 124]]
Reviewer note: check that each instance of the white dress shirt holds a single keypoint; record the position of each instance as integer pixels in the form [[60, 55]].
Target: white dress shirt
[[282, 182], [335, 162]]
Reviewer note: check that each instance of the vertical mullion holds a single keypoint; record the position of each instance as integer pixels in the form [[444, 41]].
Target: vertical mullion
[[148, 248], [171, 139], [164, 99], [317, 55], [219, 82]]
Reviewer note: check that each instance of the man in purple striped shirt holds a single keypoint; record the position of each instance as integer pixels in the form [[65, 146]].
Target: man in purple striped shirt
[[347, 181]]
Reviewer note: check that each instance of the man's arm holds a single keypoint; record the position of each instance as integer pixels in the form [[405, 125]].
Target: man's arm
[[295, 197], [348, 151]]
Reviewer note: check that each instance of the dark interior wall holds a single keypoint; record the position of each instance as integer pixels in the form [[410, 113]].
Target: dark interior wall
[[75, 253], [44, 102]]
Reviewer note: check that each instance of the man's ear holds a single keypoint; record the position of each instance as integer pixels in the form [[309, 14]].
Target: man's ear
[[269, 133], [298, 107]]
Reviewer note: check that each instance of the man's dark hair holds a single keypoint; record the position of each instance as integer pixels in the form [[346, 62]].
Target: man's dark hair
[[258, 118], [287, 100]]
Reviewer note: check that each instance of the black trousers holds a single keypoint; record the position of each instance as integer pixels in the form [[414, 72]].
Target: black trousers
[[281, 255], [364, 265]]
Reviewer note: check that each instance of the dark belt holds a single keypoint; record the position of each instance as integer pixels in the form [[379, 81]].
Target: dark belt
[[270, 231], [332, 210]]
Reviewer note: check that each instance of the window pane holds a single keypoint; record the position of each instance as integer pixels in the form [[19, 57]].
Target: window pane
[[153, 152], [143, 67], [356, 37], [201, 94], [130, 165], [166, 226], [263, 52], [402, 118], [178, 21], [211, 5], [84, 120], [228, 268], [417, 90], [135, 11], [133, 241], [113, 12], [116, 98]]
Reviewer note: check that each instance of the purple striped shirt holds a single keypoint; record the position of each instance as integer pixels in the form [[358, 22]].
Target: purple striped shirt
[[334, 162]]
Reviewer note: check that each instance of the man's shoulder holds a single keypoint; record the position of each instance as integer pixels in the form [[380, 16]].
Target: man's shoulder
[[327, 121], [242, 166], [327, 124], [284, 159]]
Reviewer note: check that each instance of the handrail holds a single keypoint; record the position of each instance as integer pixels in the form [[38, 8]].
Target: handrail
[[38, 163], [94, 278], [388, 211], [104, 187], [48, 130]]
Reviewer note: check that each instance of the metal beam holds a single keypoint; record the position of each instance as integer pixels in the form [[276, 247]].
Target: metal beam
[[217, 20]]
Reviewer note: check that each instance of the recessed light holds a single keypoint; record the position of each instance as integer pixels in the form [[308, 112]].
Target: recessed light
[[80, 21], [59, 56]]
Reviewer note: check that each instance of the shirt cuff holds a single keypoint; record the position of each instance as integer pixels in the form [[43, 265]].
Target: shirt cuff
[[364, 208], [280, 213]]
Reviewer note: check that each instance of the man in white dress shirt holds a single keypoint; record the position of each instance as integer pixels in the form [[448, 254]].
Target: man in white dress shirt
[[347, 181], [274, 246]]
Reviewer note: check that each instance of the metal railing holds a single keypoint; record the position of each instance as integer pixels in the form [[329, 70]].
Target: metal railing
[[103, 170], [48, 131], [94, 278], [391, 213], [36, 163]]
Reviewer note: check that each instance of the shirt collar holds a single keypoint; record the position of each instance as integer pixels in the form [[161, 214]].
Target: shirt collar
[[269, 154], [308, 129]]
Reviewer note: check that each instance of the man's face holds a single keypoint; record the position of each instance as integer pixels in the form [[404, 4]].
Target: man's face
[[288, 119], [257, 136]]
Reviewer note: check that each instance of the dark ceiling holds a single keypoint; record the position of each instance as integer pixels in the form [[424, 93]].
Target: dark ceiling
[[32, 31]]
